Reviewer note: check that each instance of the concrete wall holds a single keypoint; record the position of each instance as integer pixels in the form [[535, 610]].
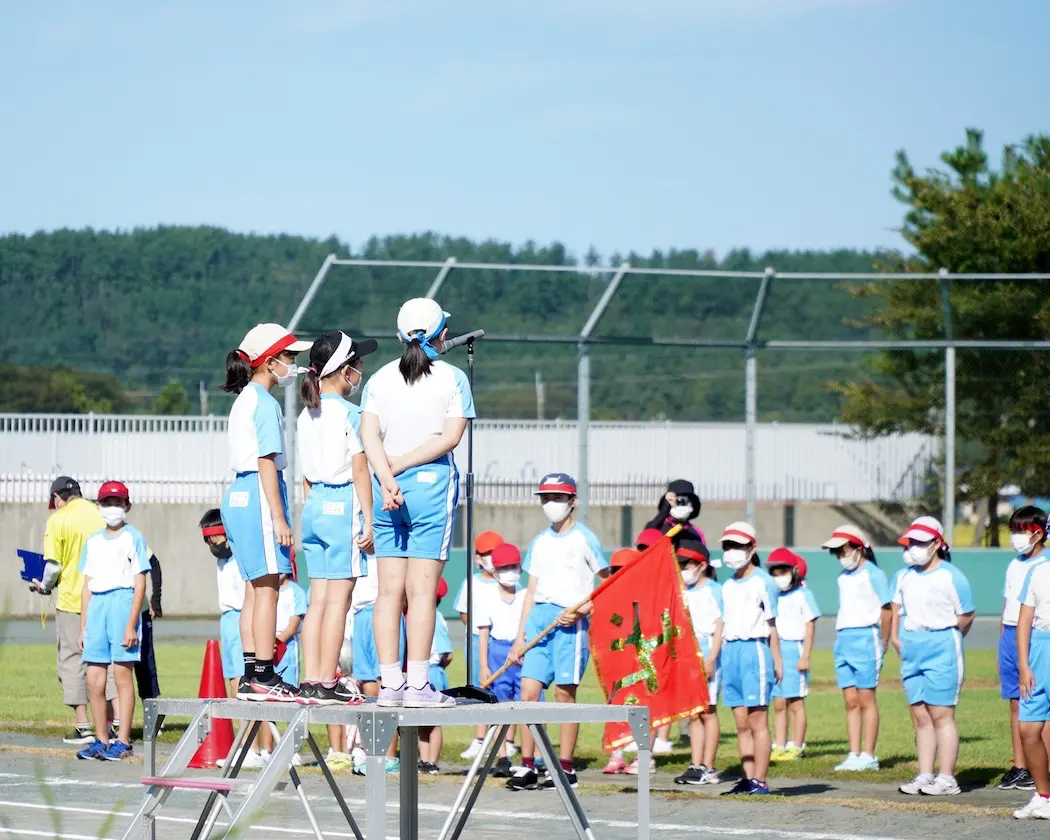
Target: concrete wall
[[189, 576]]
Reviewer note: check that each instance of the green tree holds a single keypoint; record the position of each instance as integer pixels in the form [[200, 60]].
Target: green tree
[[172, 399], [969, 218], [59, 390]]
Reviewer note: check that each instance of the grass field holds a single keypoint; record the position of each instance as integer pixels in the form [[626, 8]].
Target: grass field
[[30, 702]]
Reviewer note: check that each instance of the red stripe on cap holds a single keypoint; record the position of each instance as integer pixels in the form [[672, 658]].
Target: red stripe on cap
[[850, 538], [689, 554], [214, 531], [557, 488], [926, 529], [274, 349], [735, 533]]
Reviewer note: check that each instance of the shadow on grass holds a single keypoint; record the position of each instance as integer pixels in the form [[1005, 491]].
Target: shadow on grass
[[808, 789]]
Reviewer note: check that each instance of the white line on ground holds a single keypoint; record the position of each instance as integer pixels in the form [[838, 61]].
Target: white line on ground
[[779, 834]]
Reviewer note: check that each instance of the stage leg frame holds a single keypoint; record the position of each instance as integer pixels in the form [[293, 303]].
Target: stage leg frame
[[474, 782]]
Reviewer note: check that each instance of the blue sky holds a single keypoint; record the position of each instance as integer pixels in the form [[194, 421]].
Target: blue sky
[[626, 125]]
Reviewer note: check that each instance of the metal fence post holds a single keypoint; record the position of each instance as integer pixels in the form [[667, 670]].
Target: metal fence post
[[442, 275], [583, 393], [751, 396], [948, 511]]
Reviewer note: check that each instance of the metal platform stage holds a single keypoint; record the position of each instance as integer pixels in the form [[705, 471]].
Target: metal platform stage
[[377, 727]]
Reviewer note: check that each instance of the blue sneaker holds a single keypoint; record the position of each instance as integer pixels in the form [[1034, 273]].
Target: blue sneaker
[[93, 751], [117, 751], [757, 788], [392, 767]]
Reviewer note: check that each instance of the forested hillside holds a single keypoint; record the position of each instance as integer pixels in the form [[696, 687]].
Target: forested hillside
[[156, 305]]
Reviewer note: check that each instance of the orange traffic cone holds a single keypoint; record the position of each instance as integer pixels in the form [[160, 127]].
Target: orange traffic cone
[[219, 741]]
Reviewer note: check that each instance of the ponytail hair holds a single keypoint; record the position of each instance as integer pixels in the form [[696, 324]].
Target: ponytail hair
[[756, 560], [238, 372], [414, 364], [310, 389], [868, 553], [709, 571]]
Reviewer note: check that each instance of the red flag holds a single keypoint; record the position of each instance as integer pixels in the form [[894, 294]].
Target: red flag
[[642, 641]]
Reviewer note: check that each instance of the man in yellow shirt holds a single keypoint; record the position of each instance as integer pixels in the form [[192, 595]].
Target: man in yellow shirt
[[74, 520]]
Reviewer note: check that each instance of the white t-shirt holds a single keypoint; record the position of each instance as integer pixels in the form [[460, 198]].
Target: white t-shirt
[[704, 602], [1016, 573], [748, 605], [255, 430], [795, 610], [1035, 592], [231, 584], [366, 589], [500, 615], [411, 414], [862, 595], [291, 601], [478, 589], [328, 441], [564, 565], [111, 562], [932, 600]]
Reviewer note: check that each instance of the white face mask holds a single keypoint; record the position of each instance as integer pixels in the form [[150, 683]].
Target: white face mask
[[290, 373], [486, 562], [556, 511], [681, 512], [1022, 542], [850, 561], [356, 386], [783, 582], [112, 515], [736, 558], [691, 575], [918, 555], [508, 577]]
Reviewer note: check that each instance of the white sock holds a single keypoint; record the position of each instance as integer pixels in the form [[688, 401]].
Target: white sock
[[418, 673], [392, 676], [789, 745]]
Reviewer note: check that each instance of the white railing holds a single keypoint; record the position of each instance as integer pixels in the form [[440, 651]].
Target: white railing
[[184, 459]]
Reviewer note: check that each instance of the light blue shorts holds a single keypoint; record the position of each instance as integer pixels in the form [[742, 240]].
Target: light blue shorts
[[330, 532], [714, 680], [438, 677], [230, 644], [422, 526], [747, 673], [932, 666], [249, 528], [794, 683], [1037, 707], [858, 657], [366, 660], [288, 668], [562, 656], [107, 618]]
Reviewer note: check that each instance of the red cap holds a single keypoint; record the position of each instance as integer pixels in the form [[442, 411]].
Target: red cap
[[486, 541], [504, 555], [623, 557], [787, 557], [114, 490], [442, 589], [649, 537]]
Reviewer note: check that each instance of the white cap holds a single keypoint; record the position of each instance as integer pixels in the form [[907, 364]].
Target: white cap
[[924, 529], [741, 533], [265, 341], [846, 534], [420, 314]]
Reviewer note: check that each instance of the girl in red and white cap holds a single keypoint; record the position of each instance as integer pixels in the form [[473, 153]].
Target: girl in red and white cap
[[862, 633], [933, 610]]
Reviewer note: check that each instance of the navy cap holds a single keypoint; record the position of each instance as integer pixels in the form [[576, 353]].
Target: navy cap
[[557, 483]]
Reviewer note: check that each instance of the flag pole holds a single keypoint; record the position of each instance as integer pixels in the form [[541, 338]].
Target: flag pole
[[554, 624]]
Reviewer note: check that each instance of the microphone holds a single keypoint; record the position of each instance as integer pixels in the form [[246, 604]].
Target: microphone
[[460, 340]]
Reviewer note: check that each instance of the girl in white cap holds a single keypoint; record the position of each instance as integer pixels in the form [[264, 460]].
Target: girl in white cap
[[862, 632], [751, 662], [933, 610], [255, 507], [414, 413], [337, 513]]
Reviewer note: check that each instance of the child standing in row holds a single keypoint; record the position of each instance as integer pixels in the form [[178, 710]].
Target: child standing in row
[[751, 661], [562, 564], [114, 563], [1033, 658], [703, 599], [255, 506], [797, 614], [933, 612], [861, 638]]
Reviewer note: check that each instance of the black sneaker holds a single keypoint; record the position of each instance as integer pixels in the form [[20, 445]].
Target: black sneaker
[[275, 691], [309, 694], [344, 695], [1009, 781], [523, 779], [502, 770], [743, 786], [548, 780], [80, 736], [1024, 781], [693, 775], [244, 689], [432, 769]]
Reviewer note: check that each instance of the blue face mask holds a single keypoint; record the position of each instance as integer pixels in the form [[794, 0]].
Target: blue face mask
[[426, 339]]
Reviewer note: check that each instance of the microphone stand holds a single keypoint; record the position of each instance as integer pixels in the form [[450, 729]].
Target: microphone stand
[[470, 692]]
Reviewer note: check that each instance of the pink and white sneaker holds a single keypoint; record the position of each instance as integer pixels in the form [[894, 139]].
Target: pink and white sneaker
[[616, 765], [632, 770]]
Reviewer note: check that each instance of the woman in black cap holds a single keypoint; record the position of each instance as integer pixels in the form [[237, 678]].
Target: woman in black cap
[[679, 506]]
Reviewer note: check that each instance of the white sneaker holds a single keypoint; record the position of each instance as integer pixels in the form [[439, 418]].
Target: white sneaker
[[915, 786], [631, 747], [359, 758], [849, 765], [471, 752], [866, 762], [265, 755], [297, 760], [662, 747], [512, 749], [942, 786], [1038, 808], [254, 761]]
